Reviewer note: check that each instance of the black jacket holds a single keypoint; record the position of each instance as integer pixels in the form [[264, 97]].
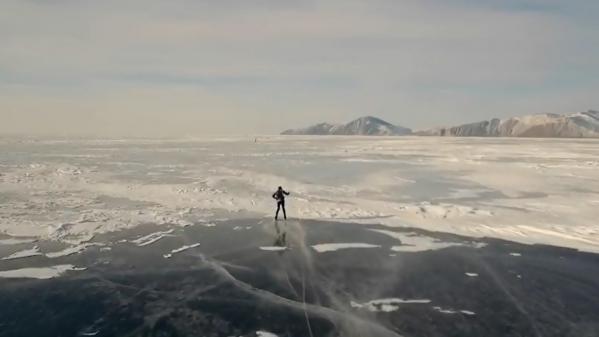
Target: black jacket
[[280, 195]]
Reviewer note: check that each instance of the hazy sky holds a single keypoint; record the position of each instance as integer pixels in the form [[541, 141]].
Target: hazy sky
[[193, 67]]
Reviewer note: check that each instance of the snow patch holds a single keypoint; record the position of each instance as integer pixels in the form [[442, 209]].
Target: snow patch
[[329, 247], [453, 312], [445, 311], [35, 251], [413, 242], [39, 273], [151, 238], [442, 210], [273, 248], [386, 304], [16, 241], [180, 249], [71, 250]]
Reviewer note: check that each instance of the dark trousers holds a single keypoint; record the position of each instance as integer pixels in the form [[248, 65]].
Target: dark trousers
[[281, 204]]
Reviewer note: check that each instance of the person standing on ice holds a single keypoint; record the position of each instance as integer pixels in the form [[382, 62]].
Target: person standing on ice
[[279, 196]]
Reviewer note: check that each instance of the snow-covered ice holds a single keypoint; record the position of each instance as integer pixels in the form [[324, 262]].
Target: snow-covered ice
[[35, 251], [468, 312], [70, 250], [15, 241], [273, 248], [413, 242], [180, 249], [38, 273], [525, 190], [151, 238], [387, 304], [453, 312], [471, 274], [330, 247]]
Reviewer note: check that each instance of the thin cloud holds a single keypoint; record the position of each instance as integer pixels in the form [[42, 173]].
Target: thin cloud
[[417, 63]]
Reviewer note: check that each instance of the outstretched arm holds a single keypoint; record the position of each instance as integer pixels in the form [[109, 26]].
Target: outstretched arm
[[286, 193]]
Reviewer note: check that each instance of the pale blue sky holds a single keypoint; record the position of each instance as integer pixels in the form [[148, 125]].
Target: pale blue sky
[[191, 67]]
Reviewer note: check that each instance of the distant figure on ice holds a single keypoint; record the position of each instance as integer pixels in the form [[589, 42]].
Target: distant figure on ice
[[279, 196]]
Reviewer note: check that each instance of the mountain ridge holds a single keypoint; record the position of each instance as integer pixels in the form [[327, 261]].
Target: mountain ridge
[[548, 125], [363, 126]]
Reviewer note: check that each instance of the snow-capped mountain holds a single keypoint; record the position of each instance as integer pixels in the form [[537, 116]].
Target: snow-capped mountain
[[365, 126], [579, 124]]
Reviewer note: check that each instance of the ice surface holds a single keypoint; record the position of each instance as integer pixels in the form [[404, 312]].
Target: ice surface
[[35, 251], [180, 249], [471, 274], [525, 190], [262, 333], [39, 273], [330, 247]]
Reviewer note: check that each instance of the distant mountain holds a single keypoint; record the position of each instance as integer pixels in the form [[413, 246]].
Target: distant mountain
[[573, 125], [365, 126]]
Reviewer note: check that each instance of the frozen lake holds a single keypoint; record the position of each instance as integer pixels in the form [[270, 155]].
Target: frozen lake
[[386, 237], [255, 277], [525, 190]]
